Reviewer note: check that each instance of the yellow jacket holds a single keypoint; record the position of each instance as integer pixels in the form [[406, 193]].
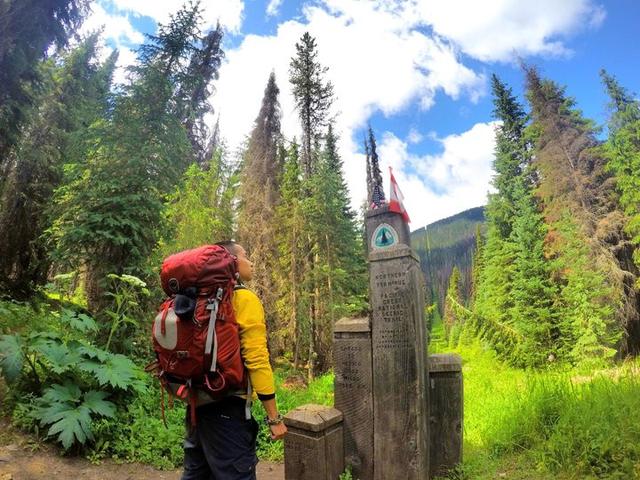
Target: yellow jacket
[[253, 341]]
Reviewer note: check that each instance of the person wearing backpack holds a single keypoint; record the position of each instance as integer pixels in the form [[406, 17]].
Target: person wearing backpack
[[222, 443]]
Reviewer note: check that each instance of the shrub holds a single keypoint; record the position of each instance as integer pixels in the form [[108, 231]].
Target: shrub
[[70, 382]]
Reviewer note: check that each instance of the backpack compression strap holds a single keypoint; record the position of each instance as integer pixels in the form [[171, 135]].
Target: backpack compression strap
[[212, 338]]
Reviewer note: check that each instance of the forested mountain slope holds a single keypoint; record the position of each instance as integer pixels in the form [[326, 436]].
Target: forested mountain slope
[[447, 243]]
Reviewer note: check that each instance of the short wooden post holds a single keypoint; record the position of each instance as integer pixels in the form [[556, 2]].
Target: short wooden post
[[313, 446], [353, 386], [446, 414]]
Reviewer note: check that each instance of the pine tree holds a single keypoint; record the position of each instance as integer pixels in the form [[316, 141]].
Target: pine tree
[[291, 242], [578, 202], [27, 29], [313, 97], [110, 216], [258, 195], [77, 96], [339, 282]]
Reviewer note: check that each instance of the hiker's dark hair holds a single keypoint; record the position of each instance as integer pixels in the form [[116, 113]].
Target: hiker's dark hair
[[230, 245]]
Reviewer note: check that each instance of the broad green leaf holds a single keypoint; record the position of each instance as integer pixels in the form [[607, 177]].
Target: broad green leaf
[[50, 413], [79, 321], [95, 402], [73, 424], [11, 356], [118, 371], [69, 392], [59, 355], [94, 353]]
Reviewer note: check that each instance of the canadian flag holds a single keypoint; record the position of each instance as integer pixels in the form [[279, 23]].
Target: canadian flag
[[396, 198]]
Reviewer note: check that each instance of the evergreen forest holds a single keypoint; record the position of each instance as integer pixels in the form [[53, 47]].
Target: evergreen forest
[[538, 291]]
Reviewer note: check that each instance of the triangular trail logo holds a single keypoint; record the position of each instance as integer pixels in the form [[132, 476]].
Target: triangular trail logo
[[384, 236]]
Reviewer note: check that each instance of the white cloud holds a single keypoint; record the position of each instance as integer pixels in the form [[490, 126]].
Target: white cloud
[[414, 136], [229, 12], [376, 64], [498, 30], [116, 27], [273, 7], [438, 186], [385, 55]]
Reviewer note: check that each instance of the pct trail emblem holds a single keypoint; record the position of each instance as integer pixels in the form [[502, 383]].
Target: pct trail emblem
[[384, 236]]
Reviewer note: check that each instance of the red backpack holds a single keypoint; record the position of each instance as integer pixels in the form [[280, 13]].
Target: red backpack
[[195, 334]]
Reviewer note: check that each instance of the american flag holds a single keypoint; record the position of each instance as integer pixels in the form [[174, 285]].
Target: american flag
[[377, 198]]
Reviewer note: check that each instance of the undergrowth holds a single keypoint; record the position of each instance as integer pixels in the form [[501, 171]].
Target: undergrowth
[[559, 423]]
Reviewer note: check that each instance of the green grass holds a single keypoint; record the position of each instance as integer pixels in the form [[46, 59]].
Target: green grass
[[555, 424]]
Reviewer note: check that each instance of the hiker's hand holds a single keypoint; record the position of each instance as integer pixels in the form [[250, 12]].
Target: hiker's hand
[[278, 431]]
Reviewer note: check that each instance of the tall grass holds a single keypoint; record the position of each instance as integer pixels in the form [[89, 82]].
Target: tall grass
[[550, 424]]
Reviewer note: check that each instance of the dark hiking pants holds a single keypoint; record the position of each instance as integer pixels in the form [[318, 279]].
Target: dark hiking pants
[[222, 445]]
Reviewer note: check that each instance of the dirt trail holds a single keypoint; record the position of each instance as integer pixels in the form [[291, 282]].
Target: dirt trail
[[22, 459]]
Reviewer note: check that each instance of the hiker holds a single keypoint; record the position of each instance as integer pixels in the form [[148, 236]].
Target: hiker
[[222, 445]]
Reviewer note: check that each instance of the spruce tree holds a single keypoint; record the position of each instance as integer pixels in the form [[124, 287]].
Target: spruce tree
[[27, 29], [493, 299], [579, 205], [449, 318], [623, 152], [339, 264], [290, 238], [533, 294], [258, 196], [110, 216], [377, 189], [313, 97], [76, 96]]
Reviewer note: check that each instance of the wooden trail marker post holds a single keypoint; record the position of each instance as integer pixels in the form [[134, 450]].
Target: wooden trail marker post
[[399, 351], [381, 425]]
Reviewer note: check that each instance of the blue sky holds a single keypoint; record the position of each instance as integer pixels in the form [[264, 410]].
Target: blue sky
[[416, 70]]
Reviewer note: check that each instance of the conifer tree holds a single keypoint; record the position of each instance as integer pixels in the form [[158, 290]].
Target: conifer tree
[[258, 195], [377, 190], [313, 97], [76, 97], [201, 208], [290, 237], [579, 206], [493, 298], [623, 152], [449, 318], [109, 217], [532, 313], [339, 264], [367, 153], [27, 29], [477, 265]]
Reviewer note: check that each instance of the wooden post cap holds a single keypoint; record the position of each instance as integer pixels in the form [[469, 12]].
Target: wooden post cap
[[314, 418], [445, 362], [345, 325]]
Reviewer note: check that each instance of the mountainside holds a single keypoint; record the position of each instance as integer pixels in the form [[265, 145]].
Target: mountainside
[[444, 244]]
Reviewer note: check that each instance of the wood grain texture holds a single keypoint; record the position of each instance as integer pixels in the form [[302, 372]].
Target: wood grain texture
[[446, 397], [400, 367], [354, 393]]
